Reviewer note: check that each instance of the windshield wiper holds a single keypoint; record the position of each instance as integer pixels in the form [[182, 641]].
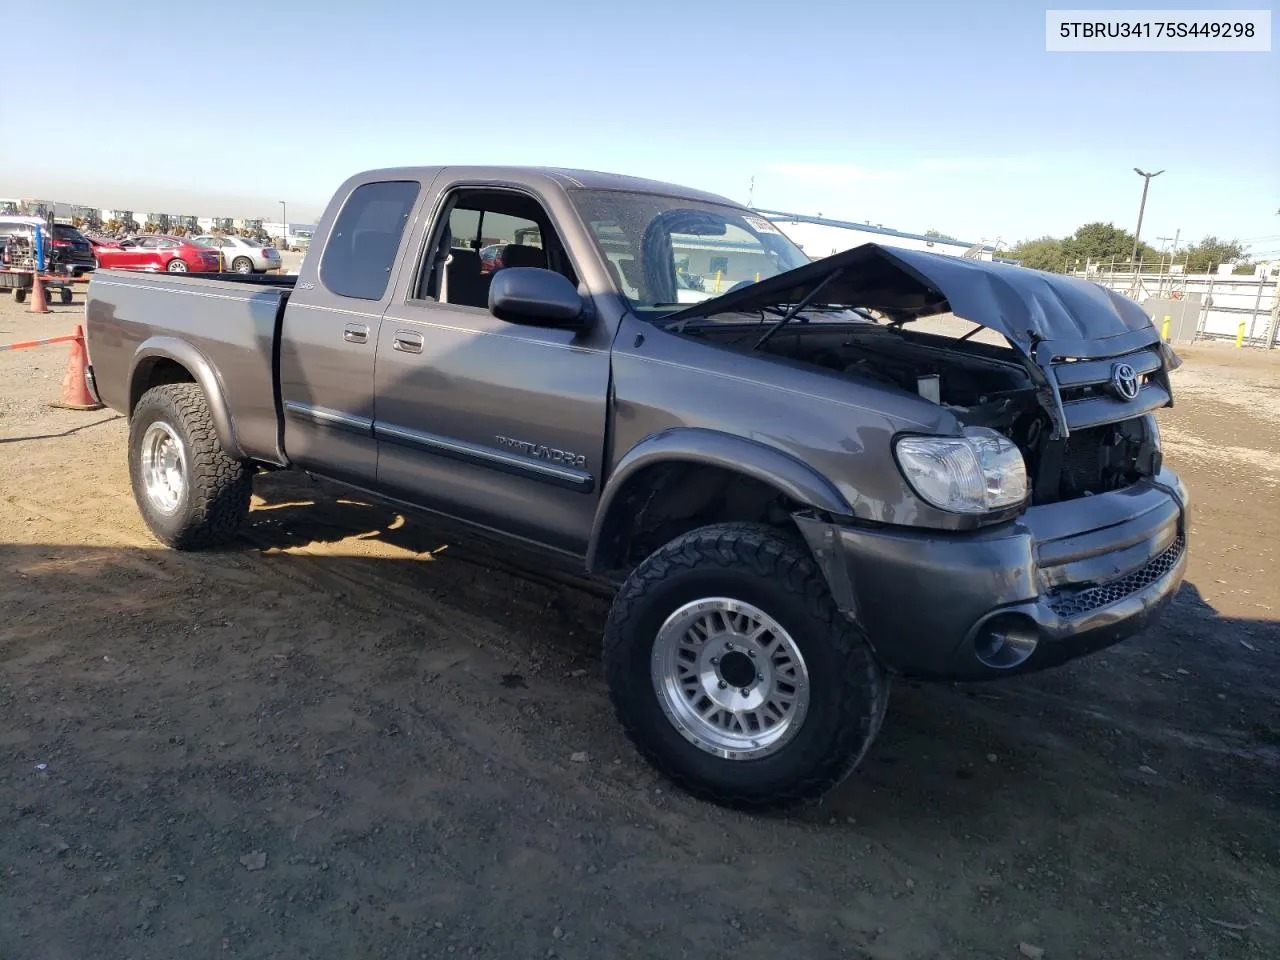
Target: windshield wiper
[[804, 302]]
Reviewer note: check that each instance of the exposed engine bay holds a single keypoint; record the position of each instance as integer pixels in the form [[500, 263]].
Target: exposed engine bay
[[983, 385]]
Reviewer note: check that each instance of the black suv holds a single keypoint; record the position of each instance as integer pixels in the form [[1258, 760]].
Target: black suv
[[69, 253]]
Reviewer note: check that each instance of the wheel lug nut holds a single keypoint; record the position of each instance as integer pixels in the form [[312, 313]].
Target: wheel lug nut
[[751, 654], [746, 692], [714, 661], [759, 678], [723, 684]]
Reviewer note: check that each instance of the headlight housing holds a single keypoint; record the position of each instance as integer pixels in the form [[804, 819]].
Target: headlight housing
[[975, 473]]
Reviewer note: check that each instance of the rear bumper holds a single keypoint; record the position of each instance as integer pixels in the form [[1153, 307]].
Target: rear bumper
[[1063, 580]]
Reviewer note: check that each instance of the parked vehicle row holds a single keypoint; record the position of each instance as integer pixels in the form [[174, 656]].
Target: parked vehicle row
[[158, 253]]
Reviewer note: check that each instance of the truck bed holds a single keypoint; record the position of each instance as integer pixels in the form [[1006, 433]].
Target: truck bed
[[227, 324]]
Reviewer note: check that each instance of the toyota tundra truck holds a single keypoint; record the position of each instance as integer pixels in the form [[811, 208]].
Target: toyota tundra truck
[[796, 487]]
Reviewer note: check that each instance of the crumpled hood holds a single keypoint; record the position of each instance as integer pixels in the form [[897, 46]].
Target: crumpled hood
[[1026, 306]]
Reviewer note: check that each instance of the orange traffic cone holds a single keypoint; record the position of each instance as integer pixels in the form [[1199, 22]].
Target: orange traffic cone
[[39, 302], [75, 392]]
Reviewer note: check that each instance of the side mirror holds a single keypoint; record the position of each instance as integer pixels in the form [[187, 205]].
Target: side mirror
[[537, 298]]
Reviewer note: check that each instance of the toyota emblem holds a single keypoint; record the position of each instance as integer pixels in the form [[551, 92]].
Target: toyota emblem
[[1124, 380]]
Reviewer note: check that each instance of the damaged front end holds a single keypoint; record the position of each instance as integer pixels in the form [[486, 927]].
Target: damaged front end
[[1075, 388]]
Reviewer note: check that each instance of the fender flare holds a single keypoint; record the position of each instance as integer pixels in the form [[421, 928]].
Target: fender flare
[[712, 448], [205, 374]]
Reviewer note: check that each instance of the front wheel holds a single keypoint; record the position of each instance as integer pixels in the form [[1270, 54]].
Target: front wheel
[[190, 491], [176, 266], [733, 672]]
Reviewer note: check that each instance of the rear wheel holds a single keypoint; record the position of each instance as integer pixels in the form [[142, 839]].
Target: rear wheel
[[242, 265], [735, 675], [20, 295], [177, 265], [191, 493], [64, 295]]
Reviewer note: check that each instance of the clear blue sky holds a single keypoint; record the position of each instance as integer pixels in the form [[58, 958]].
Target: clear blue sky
[[946, 115]]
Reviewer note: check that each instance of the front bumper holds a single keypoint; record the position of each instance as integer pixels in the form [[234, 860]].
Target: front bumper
[[1075, 576], [91, 383]]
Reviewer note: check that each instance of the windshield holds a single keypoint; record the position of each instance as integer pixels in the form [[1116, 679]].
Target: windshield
[[667, 251], [67, 233]]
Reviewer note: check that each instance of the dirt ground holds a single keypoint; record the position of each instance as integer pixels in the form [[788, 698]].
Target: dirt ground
[[356, 735]]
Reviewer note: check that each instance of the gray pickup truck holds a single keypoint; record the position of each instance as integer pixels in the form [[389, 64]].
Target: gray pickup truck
[[794, 490]]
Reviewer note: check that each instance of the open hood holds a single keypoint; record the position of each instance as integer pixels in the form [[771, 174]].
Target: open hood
[[1026, 306], [1095, 356]]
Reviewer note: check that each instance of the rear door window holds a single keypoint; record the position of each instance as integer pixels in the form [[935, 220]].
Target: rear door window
[[365, 238]]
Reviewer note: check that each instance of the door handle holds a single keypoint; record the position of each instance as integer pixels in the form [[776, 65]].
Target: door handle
[[356, 333], [407, 341]]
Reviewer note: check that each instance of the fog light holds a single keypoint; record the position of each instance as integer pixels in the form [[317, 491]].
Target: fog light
[[1005, 641]]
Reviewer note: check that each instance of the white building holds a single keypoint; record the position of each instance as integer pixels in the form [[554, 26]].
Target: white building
[[821, 237], [295, 234]]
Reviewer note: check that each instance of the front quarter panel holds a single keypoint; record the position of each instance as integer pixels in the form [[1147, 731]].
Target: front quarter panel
[[843, 430]]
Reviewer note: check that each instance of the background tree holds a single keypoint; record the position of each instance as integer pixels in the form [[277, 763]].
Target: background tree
[[1043, 254], [1105, 242], [1205, 256], [939, 234]]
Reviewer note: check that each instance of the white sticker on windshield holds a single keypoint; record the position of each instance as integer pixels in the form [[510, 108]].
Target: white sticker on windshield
[[760, 225]]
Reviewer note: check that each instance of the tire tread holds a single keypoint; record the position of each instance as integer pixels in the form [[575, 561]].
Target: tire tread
[[219, 485], [772, 554]]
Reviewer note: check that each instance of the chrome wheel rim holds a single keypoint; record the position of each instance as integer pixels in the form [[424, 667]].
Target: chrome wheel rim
[[177, 266], [730, 678], [164, 467]]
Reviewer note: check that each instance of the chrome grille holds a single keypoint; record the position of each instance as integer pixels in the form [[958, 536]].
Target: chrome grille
[[1073, 604]]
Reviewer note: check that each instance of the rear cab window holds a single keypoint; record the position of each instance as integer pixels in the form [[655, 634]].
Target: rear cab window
[[365, 239]]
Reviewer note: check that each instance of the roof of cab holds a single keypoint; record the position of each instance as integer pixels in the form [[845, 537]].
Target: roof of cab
[[565, 178]]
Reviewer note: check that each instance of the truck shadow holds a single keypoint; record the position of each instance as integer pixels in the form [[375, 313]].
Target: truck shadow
[[1187, 706], [1195, 694]]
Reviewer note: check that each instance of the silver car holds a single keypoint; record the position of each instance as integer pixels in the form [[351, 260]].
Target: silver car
[[240, 255]]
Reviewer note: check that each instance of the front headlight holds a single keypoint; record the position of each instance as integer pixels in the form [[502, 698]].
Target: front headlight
[[978, 472]]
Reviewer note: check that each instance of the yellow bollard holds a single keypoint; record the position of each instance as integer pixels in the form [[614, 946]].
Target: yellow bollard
[[717, 290], [757, 276], [1240, 334], [1164, 329]]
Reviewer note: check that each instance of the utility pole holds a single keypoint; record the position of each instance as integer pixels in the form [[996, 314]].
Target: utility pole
[[1142, 207], [751, 190], [284, 224]]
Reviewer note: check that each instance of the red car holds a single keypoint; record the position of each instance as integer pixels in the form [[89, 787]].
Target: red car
[[155, 253]]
